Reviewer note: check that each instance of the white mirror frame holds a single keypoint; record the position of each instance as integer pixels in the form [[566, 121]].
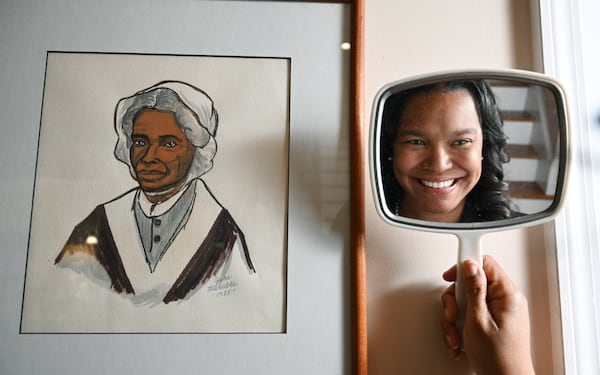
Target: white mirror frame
[[577, 236], [483, 227]]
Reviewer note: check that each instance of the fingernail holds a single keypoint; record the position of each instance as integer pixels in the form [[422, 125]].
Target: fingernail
[[470, 269], [451, 344], [455, 354], [449, 341], [446, 312]]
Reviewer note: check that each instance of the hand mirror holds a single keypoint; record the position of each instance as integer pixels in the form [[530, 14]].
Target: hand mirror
[[468, 153]]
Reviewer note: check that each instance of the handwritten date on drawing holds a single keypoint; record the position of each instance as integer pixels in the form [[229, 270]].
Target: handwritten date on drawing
[[223, 287]]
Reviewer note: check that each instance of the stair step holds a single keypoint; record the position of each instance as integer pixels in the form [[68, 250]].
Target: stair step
[[521, 152], [506, 83], [526, 190], [518, 125], [510, 96], [532, 206], [517, 115]]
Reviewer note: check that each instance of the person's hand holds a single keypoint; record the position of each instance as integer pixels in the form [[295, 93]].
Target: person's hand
[[495, 336]]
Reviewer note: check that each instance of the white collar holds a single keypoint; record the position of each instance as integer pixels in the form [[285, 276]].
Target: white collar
[[156, 209]]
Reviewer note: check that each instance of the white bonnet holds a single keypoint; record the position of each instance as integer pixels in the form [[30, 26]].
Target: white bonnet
[[193, 110]]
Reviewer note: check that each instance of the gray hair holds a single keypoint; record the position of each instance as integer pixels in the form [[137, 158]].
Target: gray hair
[[194, 112]]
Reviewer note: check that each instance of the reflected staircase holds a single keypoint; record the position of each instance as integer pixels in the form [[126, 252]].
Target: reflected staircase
[[528, 174]]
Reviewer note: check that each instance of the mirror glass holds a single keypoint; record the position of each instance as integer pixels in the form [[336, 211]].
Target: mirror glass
[[469, 149]]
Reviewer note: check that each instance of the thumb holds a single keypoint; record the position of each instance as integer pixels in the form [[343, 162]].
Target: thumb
[[476, 291]]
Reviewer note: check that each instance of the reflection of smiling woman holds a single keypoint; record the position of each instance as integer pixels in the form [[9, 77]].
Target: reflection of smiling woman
[[442, 150]]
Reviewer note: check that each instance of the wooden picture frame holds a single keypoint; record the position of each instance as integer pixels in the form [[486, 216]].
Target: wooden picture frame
[[357, 194]]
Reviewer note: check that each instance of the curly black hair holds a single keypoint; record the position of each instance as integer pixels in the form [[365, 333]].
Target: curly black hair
[[489, 200]]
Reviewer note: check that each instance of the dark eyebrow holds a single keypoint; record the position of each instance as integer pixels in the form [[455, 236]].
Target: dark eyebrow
[[162, 137], [169, 136], [417, 133], [466, 131], [411, 132]]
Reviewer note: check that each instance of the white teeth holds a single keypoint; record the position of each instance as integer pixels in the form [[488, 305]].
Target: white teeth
[[437, 184]]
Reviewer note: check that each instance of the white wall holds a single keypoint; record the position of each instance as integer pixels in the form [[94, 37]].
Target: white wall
[[404, 267]]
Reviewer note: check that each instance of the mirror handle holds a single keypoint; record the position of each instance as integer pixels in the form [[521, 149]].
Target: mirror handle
[[469, 247]]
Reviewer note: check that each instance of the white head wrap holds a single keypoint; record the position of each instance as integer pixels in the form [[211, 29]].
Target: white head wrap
[[193, 110]]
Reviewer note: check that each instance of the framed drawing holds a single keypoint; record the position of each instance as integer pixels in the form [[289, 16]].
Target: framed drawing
[[167, 240], [314, 266]]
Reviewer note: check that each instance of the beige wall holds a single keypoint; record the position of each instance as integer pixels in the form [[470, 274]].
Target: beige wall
[[404, 267]]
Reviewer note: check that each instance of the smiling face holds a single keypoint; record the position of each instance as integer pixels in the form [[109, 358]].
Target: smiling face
[[161, 154], [437, 154]]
